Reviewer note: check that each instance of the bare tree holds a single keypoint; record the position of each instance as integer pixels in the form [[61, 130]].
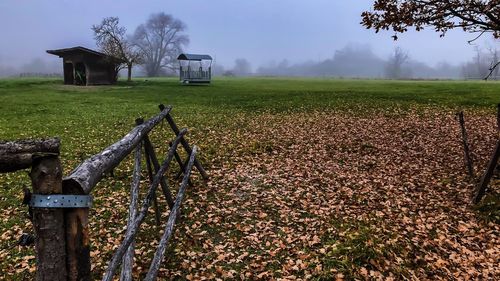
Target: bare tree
[[480, 63], [111, 39], [160, 40], [493, 69], [480, 66], [394, 66]]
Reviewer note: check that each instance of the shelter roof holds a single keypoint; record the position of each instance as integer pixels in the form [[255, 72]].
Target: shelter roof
[[79, 49], [195, 57]]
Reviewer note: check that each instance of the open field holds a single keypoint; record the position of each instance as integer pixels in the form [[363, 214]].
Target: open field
[[310, 178]]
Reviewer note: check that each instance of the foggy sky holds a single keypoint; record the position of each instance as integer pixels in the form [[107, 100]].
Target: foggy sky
[[261, 31]]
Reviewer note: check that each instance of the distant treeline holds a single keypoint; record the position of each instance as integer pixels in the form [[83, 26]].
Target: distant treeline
[[359, 61]]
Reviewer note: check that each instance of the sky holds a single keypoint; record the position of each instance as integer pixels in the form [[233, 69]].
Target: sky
[[262, 31]]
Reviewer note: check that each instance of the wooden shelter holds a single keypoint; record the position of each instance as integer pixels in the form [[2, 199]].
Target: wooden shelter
[[195, 68], [85, 67]]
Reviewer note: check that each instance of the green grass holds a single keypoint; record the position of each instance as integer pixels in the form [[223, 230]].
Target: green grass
[[41, 107]]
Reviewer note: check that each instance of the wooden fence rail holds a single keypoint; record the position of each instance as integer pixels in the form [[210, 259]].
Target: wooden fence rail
[[17, 155]]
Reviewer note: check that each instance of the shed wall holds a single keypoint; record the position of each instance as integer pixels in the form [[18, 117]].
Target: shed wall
[[97, 70]]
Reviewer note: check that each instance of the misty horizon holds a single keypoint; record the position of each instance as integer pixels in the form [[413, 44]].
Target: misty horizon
[[265, 33]]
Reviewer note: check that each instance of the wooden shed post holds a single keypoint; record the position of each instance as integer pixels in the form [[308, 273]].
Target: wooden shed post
[[46, 178]]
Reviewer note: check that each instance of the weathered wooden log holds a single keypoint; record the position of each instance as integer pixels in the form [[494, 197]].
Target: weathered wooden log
[[88, 173], [184, 143], [485, 179], [465, 142], [17, 155], [130, 235], [169, 228], [151, 178], [128, 258], [46, 178]]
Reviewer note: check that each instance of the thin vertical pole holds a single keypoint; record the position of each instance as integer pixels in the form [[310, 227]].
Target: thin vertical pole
[[468, 159]]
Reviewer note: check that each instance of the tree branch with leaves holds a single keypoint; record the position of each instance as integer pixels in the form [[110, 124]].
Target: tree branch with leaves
[[473, 16]]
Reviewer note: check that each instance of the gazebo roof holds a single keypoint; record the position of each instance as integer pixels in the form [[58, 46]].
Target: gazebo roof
[[194, 57]]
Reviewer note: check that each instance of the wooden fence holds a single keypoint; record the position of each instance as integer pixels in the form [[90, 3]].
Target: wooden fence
[[487, 175], [60, 206]]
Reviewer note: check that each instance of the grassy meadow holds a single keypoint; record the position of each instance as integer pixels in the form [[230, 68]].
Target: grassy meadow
[[311, 178]]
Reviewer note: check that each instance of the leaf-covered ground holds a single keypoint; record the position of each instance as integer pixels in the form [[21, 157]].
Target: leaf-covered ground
[[314, 194], [321, 195]]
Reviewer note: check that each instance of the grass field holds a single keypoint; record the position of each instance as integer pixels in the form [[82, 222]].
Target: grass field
[[311, 178]]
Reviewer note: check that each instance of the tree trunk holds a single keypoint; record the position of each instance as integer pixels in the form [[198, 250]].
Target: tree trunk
[[129, 72], [46, 177]]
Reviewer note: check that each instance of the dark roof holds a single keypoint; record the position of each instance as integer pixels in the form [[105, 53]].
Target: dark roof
[[79, 49], [194, 57]]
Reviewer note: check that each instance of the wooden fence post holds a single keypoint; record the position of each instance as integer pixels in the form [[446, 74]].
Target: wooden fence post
[[77, 237], [468, 158], [488, 174], [46, 178]]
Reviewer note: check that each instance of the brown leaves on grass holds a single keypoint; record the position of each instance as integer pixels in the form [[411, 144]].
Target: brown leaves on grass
[[331, 195]]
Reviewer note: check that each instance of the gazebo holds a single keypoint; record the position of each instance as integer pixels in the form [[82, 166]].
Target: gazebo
[[200, 72]]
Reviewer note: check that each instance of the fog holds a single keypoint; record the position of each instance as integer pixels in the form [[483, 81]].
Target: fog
[[259, 37]]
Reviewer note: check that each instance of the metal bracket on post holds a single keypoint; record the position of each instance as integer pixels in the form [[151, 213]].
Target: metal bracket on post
[[60, 201]]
